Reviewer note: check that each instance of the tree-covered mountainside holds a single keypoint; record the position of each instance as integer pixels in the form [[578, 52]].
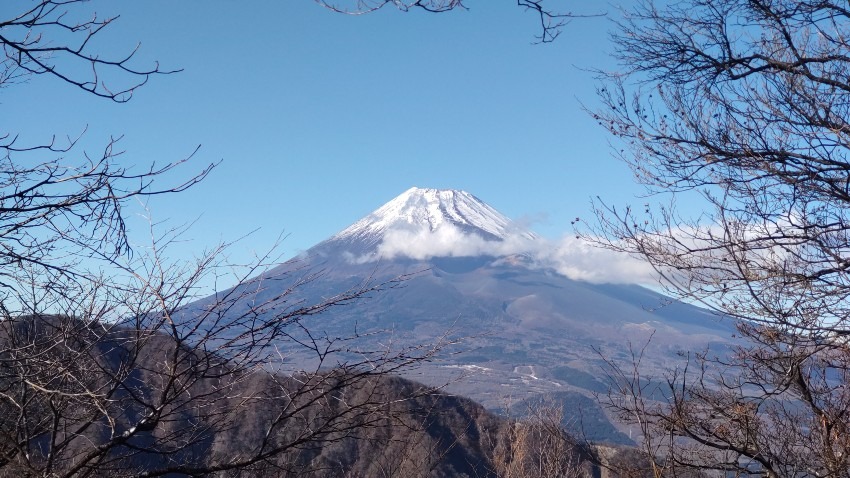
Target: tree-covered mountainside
[[70, 424]]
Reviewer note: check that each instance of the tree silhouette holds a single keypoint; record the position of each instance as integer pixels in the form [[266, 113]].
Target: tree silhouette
[[744, 105], [104, 369]]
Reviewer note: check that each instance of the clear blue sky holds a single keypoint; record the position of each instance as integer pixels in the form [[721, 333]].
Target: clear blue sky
[[320, 118]]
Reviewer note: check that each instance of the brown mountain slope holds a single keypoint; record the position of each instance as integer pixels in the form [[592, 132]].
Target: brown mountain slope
[[86, 399]]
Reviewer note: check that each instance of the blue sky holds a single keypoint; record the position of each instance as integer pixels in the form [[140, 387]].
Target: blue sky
[[319, 118]]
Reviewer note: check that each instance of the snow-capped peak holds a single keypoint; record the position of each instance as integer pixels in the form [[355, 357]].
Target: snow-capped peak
[[429, 209]]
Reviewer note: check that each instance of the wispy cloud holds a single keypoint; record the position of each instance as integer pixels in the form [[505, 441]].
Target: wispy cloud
[[580, 260], [569, 256]]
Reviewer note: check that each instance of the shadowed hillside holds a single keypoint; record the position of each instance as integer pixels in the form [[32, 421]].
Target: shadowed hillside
[[381, 426]]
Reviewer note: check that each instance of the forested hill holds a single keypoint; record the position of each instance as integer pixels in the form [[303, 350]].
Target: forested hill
[[85, 398]]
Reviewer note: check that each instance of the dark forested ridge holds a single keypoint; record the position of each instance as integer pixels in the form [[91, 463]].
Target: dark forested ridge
[[383, 427]]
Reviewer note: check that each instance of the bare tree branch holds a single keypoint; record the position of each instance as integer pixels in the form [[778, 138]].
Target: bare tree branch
[[744, 105], [105, 369], [551, 21], [54, 38]]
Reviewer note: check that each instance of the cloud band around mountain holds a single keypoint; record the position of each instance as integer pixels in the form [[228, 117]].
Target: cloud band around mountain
[[574, 258]]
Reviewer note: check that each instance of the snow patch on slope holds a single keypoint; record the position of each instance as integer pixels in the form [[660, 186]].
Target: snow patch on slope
[[420, 210]]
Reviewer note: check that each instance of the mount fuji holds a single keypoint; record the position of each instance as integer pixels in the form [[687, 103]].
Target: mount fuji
[[530, 331], [429, 210], [422, 224]]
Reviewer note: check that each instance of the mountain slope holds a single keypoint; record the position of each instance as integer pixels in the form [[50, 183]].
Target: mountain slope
[[529, 331], [430, 209]]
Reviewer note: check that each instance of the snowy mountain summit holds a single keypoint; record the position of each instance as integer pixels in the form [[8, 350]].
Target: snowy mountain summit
[[419, 210]]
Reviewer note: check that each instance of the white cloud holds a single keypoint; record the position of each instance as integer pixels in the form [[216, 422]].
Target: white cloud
[[571, 257], [580, 260]]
